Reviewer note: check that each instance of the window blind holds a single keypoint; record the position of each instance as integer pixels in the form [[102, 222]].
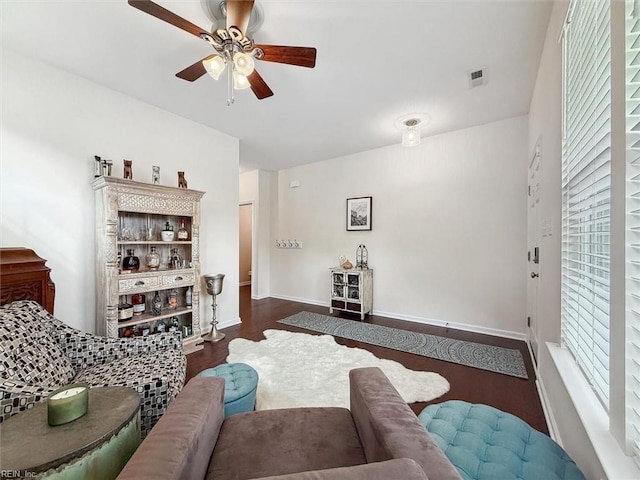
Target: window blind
[[632, 253], [586, 186]]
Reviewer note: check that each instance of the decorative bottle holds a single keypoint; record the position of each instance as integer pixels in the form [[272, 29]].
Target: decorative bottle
[[172, 299], [125, 310], [153, 259], [168, 233], [183, 233], [156, 304], [174, 324], [131, 262], [175, 261], [139, 303], [189, 297]]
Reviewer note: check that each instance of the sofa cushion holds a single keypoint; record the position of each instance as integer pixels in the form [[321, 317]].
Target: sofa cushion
[[397, 469], [28, 353], [254, 444]]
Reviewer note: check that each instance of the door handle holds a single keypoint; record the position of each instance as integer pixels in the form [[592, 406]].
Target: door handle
[[534, 275]]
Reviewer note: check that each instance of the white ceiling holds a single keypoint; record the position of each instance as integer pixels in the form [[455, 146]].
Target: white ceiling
[[377, 61]]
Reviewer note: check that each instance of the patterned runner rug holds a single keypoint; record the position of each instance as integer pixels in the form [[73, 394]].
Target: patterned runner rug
[[486, 357]]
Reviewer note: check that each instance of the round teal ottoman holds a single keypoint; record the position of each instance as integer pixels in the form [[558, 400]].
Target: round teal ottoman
[[240, 385], [485, 443]]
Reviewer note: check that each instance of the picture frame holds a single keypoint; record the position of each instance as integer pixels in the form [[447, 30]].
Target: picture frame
[[359, 211]]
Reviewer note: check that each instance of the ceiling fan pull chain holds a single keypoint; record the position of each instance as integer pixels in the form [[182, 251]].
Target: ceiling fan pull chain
[[230, 98]]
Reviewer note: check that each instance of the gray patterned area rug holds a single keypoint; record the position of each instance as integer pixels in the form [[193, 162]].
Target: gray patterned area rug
[[486, 357]]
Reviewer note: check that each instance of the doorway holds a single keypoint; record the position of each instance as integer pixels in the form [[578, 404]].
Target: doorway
[[245, 244], [533, 247]]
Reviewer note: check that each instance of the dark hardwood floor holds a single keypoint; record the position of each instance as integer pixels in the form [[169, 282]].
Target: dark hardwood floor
[[510, 394]]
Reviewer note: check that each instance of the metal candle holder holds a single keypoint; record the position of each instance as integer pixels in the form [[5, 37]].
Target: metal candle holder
[[214, 287]]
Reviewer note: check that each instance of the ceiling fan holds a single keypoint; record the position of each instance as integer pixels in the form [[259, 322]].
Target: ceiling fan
[[232, 48]]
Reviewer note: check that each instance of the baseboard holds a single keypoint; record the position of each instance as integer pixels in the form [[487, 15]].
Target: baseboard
[[301, 300], [554, 431], [260, 297], [426, 321], [221, 325], [496, 332], [244, 284]]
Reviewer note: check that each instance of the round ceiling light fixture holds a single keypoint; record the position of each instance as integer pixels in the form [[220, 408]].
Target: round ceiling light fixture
[[410, 126]]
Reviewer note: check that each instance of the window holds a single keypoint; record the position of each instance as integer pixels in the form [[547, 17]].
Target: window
[[632, 253], [586, 190]]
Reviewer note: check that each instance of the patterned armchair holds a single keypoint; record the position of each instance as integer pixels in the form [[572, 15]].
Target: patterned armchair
[[39, 353]]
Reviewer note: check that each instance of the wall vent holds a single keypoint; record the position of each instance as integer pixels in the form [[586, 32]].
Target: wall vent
[[477, 78]]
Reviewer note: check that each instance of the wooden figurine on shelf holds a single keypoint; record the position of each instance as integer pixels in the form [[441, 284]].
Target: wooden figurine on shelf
[[128, 171], [182, 182]]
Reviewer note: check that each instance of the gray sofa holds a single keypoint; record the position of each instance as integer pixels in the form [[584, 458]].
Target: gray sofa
[[379, 437]]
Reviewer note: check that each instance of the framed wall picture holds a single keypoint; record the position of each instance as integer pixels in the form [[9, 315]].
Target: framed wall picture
[[359, 213]]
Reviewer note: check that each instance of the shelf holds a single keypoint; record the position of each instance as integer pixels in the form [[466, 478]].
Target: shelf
[[147, 317], [154, 242], [128, 273]]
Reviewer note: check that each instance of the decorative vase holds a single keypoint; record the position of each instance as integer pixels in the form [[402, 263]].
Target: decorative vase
[[153, 259], [167, 234]]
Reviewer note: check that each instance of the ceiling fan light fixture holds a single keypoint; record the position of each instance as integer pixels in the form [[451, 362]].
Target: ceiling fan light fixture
[[411, 133], [243, 63], [240, 82], [214, 66]]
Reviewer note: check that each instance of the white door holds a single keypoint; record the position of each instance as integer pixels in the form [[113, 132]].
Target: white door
[[533, 244]]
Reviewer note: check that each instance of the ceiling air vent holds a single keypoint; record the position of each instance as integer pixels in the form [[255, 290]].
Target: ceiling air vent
[[477, 78]]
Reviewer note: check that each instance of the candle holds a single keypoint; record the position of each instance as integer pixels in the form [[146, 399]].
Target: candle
[[67, 403]]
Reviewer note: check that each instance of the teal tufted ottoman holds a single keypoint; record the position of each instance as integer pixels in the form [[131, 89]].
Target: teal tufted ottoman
[[485, 443], [240, 385]]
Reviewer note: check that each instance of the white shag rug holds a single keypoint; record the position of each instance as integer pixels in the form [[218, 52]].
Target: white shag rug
[[301, 370]]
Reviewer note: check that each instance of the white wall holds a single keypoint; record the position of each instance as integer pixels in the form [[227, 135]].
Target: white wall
[[256, 187], [449, 227], [52, 125]]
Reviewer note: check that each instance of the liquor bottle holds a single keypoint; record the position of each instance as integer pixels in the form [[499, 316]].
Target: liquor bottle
[[174, 260], [153, 259], [131, 263], [125, 310], [139, 303], [174, 324], [172, 299], [156, 305], [183, 233], [189, 297]]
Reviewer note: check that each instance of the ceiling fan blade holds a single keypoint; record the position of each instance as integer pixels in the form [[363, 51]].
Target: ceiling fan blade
[[301, 56], [259, 86], [238, 13], [162, 13], [195, 71]]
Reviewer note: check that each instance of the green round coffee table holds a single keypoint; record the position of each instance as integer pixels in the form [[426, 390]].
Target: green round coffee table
[[96, 445]]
